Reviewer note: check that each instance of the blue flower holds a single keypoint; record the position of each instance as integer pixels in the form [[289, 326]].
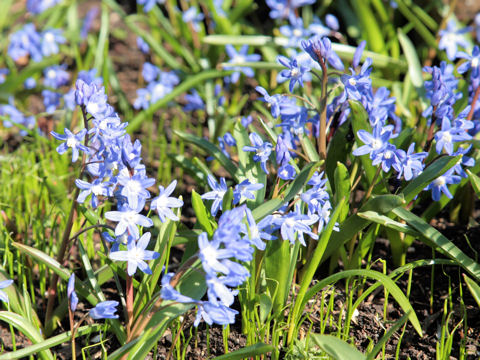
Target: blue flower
[[88, 21], [244, 190], [374, 143], [97, 188], [134, 188], [295, 223], [136, 255], [149, 4], [287, 172], [192, 15], [142, 45], [295, 32], [73, 141], [451, 37], [3, 75], [240, 57], [71, 294], [473, 62], [448, 135], [169, 293], [356, 86], [38, 6], [217, 193], [194, 102], [128, 219], [261, 149], [272, 101], [164, 202], [439, 185], [389, 157], [3, 285], [50, 40], [30, 83], [24, 42], [295, 72], [412, 164], [332, 22], [51, 100], [357, 56], [104, 310], [218, 314], [321, 48], [150, 72], [256, 231], [211, 254], [56, 76]]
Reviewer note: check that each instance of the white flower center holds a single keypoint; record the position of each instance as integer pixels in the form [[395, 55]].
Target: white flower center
[[439, 181], [97, 189], [51, 74], [238, 59], [294, 72], [161, 201], [137, 254], [49, 37], [290, 222], [159, 89], [388, 154], [72, 142], [352, 81], [297, 32], [376, 144], [134, 186], [475, 62], [446, 137], [130, 216]]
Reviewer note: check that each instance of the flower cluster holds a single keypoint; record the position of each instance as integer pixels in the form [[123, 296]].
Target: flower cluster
[[159, 84], [114, 166], [231, 243], [28, 42]]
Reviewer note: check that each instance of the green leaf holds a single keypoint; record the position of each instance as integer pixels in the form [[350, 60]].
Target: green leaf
[[247, 352], [211, 149], [293, 189], [50, 342], [186, 85], [418, 24], [201, 213], [383, 204], [342, 188], [309, 149], [312, 267], [386, 281], [27, 329], [338, 149], [44, 259], [252, 170], [439, 241], [414, 65], [360, 122], [431, 172], [370, 26], [388, 222], [378, 347], [475, 181], [474, 288], [346, 52], [337, 348], [189, 167]]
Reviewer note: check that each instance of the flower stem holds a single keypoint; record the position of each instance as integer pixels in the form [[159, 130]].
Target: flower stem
[[322, 141], [52, 290], [474, 101], [129, 294]]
